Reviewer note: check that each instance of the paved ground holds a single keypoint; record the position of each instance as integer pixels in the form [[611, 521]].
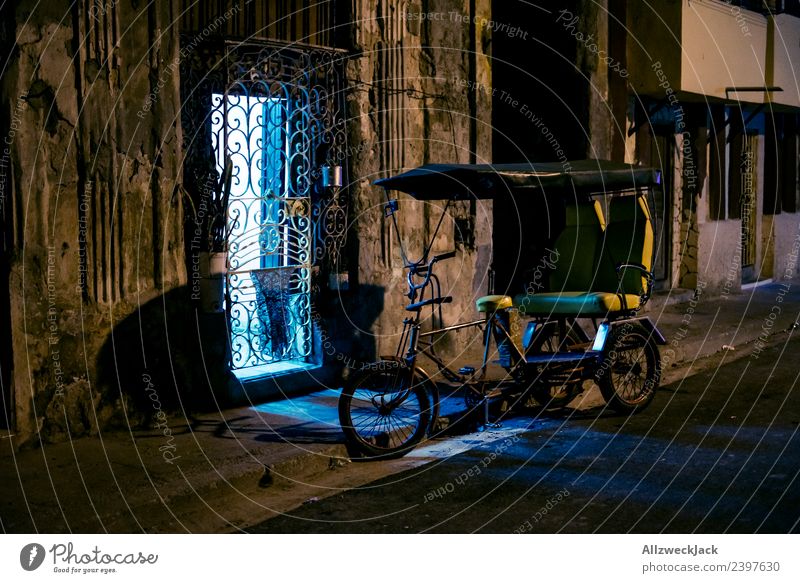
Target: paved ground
[[717, 452], [236, 468]]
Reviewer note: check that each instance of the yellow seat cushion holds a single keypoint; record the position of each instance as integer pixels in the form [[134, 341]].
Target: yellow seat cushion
[[493, 303], [573, 303]]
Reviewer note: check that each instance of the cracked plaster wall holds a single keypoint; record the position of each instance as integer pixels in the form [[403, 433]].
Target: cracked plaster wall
[[89, 200]]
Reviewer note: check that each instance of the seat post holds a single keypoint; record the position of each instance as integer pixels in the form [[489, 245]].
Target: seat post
[[486, 339]]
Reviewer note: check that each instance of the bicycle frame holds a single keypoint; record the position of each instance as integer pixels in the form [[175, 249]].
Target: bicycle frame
[[416, 336], [413, 340]]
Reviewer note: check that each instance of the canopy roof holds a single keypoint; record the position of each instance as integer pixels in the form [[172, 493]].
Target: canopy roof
[[443, 181]]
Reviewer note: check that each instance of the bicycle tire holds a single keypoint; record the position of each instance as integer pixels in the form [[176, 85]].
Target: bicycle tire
[[631, 372], [377, 433]]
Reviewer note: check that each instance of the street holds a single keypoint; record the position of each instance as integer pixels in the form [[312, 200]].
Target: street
[[715, 453]]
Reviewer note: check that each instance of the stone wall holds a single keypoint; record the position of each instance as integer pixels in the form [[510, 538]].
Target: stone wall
[[784, 232], [96, 226], [408, 106], [94, 248]]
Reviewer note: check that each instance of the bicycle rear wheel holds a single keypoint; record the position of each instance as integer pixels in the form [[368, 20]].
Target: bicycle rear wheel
[[383, 413], [555, 395], [632, 371]]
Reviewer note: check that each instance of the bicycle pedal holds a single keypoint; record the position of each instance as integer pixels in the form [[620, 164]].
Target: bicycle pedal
[[488, 426], [466, 370]]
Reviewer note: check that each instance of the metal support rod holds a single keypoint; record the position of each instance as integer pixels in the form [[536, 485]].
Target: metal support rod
[[451, 328]]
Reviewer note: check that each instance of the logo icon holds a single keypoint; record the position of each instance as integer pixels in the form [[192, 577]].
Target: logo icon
[[31, 556]]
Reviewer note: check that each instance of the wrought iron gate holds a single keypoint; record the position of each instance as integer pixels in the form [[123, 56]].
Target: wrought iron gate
[[748, 200], [279, 119]]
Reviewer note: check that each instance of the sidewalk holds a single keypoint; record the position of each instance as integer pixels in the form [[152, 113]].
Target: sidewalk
[[221, 471]]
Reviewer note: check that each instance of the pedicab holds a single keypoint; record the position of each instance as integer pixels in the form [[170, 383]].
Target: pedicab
[[592, 230]]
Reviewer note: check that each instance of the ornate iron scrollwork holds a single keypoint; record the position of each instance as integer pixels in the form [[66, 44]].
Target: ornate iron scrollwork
[[280, 119]]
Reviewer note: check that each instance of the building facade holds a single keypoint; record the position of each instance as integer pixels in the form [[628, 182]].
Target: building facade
[[706, 90], [120, 117], [726, 72], [121, 121]]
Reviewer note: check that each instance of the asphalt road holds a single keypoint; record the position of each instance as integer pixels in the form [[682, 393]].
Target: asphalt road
[[718, 451]]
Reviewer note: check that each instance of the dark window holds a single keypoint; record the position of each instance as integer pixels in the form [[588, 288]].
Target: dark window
[[773, 185], [788, 6], [662, 156], [739, 163], [716, 163], [780, 164], [767, 7], [788, 175]]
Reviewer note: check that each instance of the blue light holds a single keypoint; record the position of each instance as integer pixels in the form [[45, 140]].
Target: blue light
[[600, 338]]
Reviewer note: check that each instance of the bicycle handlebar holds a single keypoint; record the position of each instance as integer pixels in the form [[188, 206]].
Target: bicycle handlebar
[[443, 256], [426, 269]]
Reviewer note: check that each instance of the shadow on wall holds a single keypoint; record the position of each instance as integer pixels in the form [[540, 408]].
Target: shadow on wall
[[344, 325], [169, 356], [166, 355]]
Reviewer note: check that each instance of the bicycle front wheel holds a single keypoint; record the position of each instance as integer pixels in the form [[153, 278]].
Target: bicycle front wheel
[[383, 412]]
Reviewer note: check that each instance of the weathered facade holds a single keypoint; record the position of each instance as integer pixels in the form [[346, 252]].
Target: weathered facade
[[108, 113], [92, 229], [717, 104], [706, 90], [115, 114]]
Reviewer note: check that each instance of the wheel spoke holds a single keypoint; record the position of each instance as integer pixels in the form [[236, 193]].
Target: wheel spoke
[[384, 415], [632, 375]]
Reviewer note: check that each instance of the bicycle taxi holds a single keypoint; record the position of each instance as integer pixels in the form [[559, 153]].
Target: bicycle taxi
[[594, 222]]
